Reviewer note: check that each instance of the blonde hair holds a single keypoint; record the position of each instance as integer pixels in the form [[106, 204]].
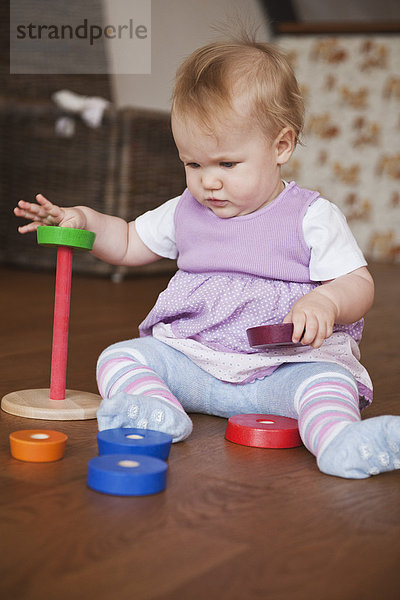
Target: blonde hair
[[213, 76]]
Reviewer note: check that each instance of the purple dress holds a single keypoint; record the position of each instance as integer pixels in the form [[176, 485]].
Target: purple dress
[[238, 273]]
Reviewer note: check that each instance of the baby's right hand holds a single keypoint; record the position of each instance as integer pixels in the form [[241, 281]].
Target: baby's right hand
[[47, 213]]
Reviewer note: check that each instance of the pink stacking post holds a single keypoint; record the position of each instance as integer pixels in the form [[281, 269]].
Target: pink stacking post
[[58, 403], [62, 303]]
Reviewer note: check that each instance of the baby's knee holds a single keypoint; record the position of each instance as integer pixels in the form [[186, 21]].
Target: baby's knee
[[320, 371], [129, 349]]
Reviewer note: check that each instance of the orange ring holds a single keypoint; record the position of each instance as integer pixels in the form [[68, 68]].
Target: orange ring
[[37, 445]]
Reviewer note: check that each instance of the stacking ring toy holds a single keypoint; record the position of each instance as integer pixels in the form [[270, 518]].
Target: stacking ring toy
[[263, 431], [127, 474], [134, 441], [37, 445], [65, 236], [58, 403], [271, 336]]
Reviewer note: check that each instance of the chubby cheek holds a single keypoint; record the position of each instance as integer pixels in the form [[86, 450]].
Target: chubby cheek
[[192, 183], [243, 189]]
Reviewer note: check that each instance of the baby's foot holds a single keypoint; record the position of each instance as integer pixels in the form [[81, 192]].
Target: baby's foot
[[363, 448], [144, 412]]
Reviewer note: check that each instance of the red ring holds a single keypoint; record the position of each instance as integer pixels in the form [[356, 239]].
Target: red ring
[[249, 430]]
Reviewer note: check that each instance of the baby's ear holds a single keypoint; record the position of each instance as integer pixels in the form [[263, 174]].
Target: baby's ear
[[285, 144]]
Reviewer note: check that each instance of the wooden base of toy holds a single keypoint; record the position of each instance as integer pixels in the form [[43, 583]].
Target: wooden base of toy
[[36, 404]]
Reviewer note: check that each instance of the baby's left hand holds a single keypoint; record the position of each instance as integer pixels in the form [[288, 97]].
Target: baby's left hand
[[314, 314]]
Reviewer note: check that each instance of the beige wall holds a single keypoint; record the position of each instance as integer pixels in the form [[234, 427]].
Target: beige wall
[[178, 27]]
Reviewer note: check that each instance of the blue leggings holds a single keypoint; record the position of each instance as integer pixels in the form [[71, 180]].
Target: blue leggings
[[200, 392]]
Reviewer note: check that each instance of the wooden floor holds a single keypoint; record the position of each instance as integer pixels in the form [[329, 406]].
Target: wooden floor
[[234, 522]]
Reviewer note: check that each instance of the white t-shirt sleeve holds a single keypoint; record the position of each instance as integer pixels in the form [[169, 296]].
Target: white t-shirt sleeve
[[156, 229], [334, 250]]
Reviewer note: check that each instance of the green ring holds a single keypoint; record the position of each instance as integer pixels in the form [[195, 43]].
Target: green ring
[[65, 236]]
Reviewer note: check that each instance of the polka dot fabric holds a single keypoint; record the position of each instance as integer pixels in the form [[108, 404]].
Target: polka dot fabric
[[217, 308], [205, 316]]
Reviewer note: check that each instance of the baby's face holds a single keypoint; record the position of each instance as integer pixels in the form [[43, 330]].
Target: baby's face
[[233, 173]]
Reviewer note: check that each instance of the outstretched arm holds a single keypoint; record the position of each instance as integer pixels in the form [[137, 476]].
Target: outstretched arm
[[116, 240], [343, 300]]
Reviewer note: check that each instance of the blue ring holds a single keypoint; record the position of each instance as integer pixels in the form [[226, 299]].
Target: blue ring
[[151, 443], [108, 476]]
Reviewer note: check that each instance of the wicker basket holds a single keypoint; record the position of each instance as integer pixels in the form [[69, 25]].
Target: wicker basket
[[125, 167]]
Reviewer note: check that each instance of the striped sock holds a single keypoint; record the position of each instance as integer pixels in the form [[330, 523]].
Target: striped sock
[[326, 404], [130, 374], [135, 396], [331, 428]]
